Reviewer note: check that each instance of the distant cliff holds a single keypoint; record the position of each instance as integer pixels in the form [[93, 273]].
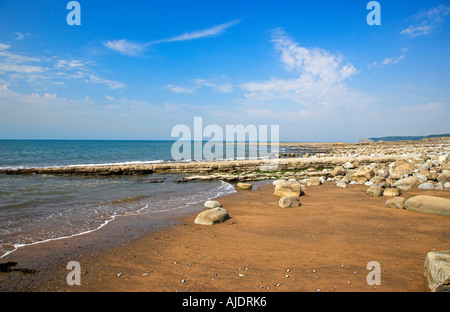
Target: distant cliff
[[407, 138]]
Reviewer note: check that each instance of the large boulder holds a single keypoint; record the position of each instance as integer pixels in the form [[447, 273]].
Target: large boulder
[[406, 184], [287, 188], [313, 182], [362, 175], [341, 184], [429, 204], [444, 177], [212, 216], [437, 270], [338, 171], [375, 191], [396, 202], [289, 202], [405, 168]]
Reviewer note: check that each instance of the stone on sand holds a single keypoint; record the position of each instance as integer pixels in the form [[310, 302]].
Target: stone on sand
[[244, 186], [287, 188], [437, 270], [392, 191], [210, 204], [342, 184], [212, 216], [289, 202], [396, 202], [313, 182], [429, 204], [375, 191]]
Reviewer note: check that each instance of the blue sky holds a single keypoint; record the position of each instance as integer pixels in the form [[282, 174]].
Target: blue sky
[[135, 69]]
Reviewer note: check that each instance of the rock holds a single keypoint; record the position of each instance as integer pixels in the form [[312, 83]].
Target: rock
[[382, 173], [348, 165], [338, 171], [421, 177], [390, 181], [429, 204], [405, 168], [375, 191], [437, 270], [313, 182], [362, 175], [341, 184], [443, 158], [210, 204], [392, 191], [447, 185], [432, 176], [444, 177], [212, 216], [426, 186], [289, 202], [396, 202], [244, 186], [406, 184], [287, 188]]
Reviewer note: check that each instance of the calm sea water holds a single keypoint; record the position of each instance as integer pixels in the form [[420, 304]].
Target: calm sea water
[[37, 208]]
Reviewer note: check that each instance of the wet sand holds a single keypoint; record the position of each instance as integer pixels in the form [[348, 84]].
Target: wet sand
[[325, 244]]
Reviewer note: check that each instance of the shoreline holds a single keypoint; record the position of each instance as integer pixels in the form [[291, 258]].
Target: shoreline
[[332, 155]]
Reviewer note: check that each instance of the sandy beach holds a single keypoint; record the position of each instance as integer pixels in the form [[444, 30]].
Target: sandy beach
[[325, 244]]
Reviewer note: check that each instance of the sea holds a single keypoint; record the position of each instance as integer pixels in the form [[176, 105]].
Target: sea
[[38, 208]]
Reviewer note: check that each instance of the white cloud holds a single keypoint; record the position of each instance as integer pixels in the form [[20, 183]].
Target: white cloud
[[126, 47], [209, 32], [20, 68], [427, 21], [51, 70], [320, 81]]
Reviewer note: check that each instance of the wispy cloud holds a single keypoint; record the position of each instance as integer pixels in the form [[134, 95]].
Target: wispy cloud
[[386, 61], [427, 21], [209, 32], [125, 47], [176, 89], [221, 87], [49, 70], [20, 36], [129, 48]]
